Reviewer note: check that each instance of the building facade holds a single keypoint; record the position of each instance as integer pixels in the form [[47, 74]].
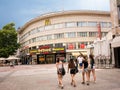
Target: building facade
[[61, 35], [115, 44]]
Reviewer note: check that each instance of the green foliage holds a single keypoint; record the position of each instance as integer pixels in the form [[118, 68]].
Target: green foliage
[[8, 40]]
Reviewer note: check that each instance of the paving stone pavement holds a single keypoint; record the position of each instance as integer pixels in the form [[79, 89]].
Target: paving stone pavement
[[44, 77]]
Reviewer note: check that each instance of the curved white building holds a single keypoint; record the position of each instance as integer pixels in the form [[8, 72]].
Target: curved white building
[[61, 34]]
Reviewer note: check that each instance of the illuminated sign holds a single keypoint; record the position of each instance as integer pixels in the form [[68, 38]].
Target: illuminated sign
[[47, 22], [33, 51], [48, 50], [58, 49], [44, 49]]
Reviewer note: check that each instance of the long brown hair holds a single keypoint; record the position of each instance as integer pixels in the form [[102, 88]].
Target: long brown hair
[[71, 63]]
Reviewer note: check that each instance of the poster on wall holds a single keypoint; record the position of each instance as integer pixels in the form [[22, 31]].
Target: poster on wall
[[41, 58]]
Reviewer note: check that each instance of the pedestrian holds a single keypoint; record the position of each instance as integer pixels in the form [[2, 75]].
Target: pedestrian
[[59, 66], [85, 70], [12, 64], [71, 66], [79, 59], [92, 65]]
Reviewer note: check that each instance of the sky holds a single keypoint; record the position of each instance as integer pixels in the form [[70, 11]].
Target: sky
[[22, 11]]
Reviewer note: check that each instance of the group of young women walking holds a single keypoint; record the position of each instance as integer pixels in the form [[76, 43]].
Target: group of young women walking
[[83, 63]]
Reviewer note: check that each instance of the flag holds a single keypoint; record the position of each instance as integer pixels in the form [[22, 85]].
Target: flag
[[99, 31]]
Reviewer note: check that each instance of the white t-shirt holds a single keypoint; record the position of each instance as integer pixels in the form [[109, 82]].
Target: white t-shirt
[[80, 59], [60, 65]]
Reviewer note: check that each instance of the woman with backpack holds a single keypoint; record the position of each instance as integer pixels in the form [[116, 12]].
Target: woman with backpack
[[59, 66], [72, 67]]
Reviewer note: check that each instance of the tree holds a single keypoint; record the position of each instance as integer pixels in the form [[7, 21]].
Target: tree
[[8, 40]]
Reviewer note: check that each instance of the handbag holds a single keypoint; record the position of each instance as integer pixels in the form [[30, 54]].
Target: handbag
[[76, 69], [63, 70]]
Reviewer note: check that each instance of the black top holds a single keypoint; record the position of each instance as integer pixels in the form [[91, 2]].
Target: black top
[[92, 62], [85, 64]]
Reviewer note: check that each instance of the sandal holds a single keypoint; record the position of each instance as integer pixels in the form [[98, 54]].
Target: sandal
[[74, 85], [82, 82]]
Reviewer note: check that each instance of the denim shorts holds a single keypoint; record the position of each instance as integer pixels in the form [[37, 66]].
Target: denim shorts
[[80, 64], [85, 69]]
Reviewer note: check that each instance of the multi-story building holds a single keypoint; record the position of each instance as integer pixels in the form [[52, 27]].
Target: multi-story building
[[115, 44], [61, 34]]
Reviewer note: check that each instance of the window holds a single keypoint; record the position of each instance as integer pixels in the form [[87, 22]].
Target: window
[[33, 31], [42, 38], [49, 27], [71, 46], [92, 34], [92, 24], [49, 45], [27, 42], [104, 24], [49, 37], [91, 42], [82, 45], [61, 25], [58, 36], [30, 41], [40, 29], [70, 34], [109, 25], [37, 39], [33, 40], [82, 24], [58, 45], [104, 34], [82, 34], [71, 24]]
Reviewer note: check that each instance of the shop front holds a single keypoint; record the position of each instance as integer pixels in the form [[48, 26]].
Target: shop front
[[48, 55], [33, 56]]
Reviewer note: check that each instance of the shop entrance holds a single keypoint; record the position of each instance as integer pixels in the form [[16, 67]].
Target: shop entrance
[[50, 59], [117, 57]]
